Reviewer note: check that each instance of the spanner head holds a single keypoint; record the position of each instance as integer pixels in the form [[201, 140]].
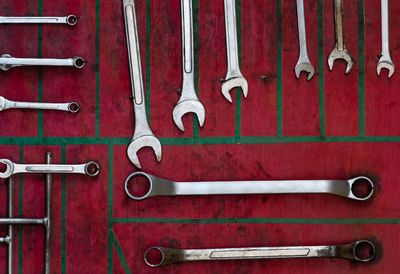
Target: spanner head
[[306, 67], [231, 83], [9, 168], [141, 142], [188, 106], [2, 103], [385, 64], [340, 54]]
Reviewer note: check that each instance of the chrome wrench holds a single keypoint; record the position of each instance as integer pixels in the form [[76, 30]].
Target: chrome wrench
[[385, 61], [7, 62], [234, 77], [5, 104], [188, 102], [143, 136], [162, 187], [351, 251], [70, 20]]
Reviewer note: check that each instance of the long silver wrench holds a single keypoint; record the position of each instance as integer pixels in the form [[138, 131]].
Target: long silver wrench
[[91, 168], [5, 104], [188, 102], [163, 187], [143, 136], [8, 62], [303, 64], [351, 251], [385, 61], [70, 20], [234, 77]]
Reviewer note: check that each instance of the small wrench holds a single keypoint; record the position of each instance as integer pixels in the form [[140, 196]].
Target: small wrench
[[70, 20], [5, 104], [303, 64], [351, 251], [90, 168], [7, 62], [234, 77], [143, 136], [385, 61], [162, 187], [340, 51], [188, 102]]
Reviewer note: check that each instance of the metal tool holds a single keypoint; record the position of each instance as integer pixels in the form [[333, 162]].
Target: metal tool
[[351, 251], [143, 136], [8, 62], [385, 61], [234, 77], [163, 187], [90, 168], [188, 102], [340, 51], [303, 64], [70, 20], [5, 104]]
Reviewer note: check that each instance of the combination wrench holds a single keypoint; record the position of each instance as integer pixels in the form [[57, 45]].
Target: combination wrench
[[7, 62], [385, 61], [188, 101], [340, 51], [303, 64], [163, 187], [70, 20], [143, 136], [5, 104], [234, 77], [360, 251]]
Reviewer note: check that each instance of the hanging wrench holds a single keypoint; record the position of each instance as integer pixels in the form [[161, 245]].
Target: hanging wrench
[[8, 104], [162, 187], [351, 251], [143, 136], [340, 51], [70, 20], [385, 61], [303, 64], [234, 77], [188, 102], [7, 62], [90, 168]]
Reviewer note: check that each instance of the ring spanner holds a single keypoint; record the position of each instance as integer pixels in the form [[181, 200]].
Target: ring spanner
[[163, 187], [8, 62], [70, 20], [5, 104]]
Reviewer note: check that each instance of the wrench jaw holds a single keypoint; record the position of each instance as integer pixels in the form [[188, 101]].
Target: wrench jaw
[[2, 103], [340, 54], [9, 168], [188, 106], [236, 82], [385, 63], [141, 142], [306, 67]]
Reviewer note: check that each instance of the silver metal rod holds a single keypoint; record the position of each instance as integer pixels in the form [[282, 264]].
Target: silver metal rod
[[23, 221], [7, 62], [5, 104], [10, 227], [48, 180], [70, 20]]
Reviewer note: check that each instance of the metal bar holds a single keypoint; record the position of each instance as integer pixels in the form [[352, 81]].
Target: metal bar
[[48, 181], [23, 221], [10, 227]]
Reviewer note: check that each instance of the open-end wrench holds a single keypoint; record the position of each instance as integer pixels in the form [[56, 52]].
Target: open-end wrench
[[385, 61], [7, 62], [360, 251], [303, 64], [162, 187], [90, 168], [143, 136], [5, 104], [70, 20], [340, 51], [188, 102], [234, 77]]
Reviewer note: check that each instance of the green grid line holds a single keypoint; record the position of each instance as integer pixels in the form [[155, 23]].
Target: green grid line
[[321, 69], [97, 117], [20, 211], [361, 70], [279, 112], [120, 253], [40, 71], [110, 204], [63, 214], [238, 102]]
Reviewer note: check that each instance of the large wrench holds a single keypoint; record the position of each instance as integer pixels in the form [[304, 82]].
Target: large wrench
[[351, 251], [340, 51], [162, 187], [5, 104], [143, 136], [188, 102], [70, 20], [385, 61], [234, 77], [303, 64], [7, 62]]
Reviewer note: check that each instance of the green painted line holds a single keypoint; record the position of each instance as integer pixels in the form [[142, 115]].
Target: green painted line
[[321, 68], [63, 214], [148, 59], [279, 112], [120, 253], [20, 211], [238, 102], [361, 70], [110, 205], [40, 71], [98, 74], [195, 3]]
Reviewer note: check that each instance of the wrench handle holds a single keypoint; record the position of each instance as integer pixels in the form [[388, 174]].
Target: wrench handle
[[385, 26], [69, 20], [231, 37], [8, 104], [302, 29], [187, 36], [339, 24]]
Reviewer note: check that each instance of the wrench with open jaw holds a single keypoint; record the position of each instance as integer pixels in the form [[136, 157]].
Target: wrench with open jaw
[[162, 187], [5, 104], [143, 136], [8, 62], [70, 20], [385, 61]]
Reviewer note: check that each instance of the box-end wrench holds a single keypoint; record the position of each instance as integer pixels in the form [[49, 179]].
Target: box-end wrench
[[360, 251], [385, 61], [90, 168], [303, 64], [143, 136], [5, 104], [188, 102], [163, 187], [8, 62], [340, 51], [234, 77], [70, 20]]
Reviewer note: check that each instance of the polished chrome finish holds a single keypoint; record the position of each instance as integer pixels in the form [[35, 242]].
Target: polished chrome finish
[[385, 61], [70, 20], [8, 62], [5, 104], [48, 180]]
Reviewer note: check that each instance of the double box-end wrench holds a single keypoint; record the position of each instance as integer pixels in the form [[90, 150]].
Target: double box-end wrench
[[359, 188], [234, 77], [303, 64], [188, 102], [385, 61], [360, 251], [70, 20], [7, 62], [340, 51], [91, 168], [143, 136], [5, 104]]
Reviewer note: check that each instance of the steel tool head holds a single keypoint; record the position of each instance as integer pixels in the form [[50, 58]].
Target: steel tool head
[[141, 142], [340, 54], [231, 83], [9, 168], [2, 103], [385, 64], [306, 67], [188, 106]]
